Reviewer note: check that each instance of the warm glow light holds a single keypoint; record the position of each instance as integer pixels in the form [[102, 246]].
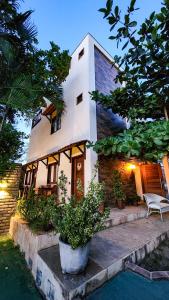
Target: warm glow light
[[3, 184], [131, 167], [3, 194]]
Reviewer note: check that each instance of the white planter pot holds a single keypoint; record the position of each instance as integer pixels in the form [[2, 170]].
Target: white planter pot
[[73, 261]]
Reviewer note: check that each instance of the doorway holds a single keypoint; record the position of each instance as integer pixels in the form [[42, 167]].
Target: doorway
[[152, 179], [77, 175]]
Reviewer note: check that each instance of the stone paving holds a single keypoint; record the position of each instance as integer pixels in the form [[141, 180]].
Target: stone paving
[[119, 241], [110, 249], [128, 214]]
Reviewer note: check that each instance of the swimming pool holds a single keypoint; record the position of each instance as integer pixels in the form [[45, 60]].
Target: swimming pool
[[130, 286]]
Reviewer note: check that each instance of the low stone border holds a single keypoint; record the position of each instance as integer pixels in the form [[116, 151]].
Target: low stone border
[[155, 275], [29, 242]]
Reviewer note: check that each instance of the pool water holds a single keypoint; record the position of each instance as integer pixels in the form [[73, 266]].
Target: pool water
[[130, 286]]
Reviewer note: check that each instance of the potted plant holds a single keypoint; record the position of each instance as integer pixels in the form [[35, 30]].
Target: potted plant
[[77, 222], [117, 190]]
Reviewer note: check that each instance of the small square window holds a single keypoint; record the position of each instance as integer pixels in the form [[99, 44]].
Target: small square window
[[79, 99], [81, 53]]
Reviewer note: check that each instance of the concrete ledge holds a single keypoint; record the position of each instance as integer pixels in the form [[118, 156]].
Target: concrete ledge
[[29, 242]]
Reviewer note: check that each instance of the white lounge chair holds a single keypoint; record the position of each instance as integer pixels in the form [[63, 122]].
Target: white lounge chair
[[156, 203]]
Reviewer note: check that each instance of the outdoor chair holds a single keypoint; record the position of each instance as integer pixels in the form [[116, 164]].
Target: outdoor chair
[[156, 203]]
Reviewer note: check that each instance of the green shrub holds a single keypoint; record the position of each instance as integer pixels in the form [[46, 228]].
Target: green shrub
[[118, 193], [78, 221], [37, 210]]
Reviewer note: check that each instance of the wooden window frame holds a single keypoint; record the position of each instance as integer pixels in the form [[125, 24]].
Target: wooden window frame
[[27, 176], [56, 119], [54, 179]]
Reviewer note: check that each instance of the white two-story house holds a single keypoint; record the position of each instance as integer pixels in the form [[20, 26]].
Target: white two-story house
[[58, 142]]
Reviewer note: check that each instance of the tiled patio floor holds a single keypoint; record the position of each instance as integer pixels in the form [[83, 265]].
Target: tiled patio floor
[[119, 241], [109, 251], [128, 214]]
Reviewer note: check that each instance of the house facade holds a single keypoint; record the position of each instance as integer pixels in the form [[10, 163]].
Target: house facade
[[58, 142]]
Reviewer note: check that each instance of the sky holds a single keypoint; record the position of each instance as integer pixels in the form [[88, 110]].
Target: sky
[[66, 22]]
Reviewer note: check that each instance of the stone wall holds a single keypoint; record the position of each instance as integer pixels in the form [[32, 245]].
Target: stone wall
[[29, 242], [106, 166], [9, 188], [108, 123]]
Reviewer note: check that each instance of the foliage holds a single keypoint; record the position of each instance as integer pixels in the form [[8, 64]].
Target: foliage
[[133, 199], [37, 210], [28, 76], [78, 221], [11, 147], [145, 68], [146, 76], [147, 141], [117, 187]]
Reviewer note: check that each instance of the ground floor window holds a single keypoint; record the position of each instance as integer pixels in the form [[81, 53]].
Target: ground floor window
[[30, 177], [52, 173]]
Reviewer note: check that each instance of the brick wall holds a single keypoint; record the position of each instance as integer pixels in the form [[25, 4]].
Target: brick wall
[[106, 166], [8, 199]]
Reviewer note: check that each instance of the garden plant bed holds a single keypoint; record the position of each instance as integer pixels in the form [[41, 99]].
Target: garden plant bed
[[155, 265]]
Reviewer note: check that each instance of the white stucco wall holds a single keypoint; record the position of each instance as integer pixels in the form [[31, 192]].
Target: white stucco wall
[[78, 121]]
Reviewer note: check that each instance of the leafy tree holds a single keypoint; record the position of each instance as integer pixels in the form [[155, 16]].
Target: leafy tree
[[11, 147], [27, 75], [148, 141], [145, 73]]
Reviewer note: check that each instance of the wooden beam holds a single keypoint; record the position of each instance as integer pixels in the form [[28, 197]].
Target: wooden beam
[[55, 158], [49, 119], [68, 156], [46, 164], [80, 149]]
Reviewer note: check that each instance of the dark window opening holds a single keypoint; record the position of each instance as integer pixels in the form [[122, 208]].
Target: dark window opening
[[30, 177], [52, 173], [37, 118], [81, 53], [56, 123], [79, 99]]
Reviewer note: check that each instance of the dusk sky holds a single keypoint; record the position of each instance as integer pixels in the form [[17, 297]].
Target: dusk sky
[[66, 23]]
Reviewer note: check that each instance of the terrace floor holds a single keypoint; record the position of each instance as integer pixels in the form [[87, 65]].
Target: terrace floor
[[109, 251], [128, 214]]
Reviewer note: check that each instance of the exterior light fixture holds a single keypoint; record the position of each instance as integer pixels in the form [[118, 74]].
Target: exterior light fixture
[[132, 167], [3, 186], [3, 194]]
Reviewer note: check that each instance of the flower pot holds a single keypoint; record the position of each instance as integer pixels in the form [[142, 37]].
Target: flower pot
[[73, 261], [120, 204]]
